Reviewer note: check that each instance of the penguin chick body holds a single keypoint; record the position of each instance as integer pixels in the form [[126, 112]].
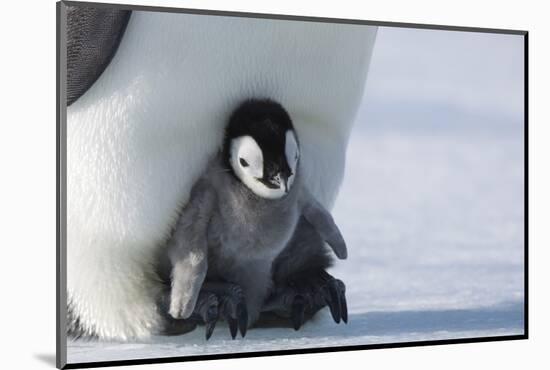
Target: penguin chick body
[[244, 210]]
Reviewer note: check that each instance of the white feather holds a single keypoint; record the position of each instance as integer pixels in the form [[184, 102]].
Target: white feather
[[143, 133]]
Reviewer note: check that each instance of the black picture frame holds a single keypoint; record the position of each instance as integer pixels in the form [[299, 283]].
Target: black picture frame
[[61, 194]]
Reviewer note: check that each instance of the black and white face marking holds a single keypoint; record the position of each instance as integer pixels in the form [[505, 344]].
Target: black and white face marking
[[267, 180], [261, 148]]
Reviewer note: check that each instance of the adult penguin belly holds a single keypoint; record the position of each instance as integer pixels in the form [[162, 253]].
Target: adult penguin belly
[[141, 135]]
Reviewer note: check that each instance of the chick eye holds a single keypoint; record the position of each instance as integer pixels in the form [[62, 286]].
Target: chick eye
[[243, 162]]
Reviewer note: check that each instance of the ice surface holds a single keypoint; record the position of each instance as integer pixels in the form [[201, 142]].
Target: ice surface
[[434, 226], [431, 207]]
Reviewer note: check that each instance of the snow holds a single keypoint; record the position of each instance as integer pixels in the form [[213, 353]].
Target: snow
[[431, 207], [434, 227]]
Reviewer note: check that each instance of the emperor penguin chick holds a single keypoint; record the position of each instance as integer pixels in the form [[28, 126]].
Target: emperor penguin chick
[[241, 214]]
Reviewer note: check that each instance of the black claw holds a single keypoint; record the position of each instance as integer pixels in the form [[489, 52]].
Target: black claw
[[230, 313], [242, 316], [211, 320], [334, 303], [232, 327], [210, 328], [344, 310], [206, 311], [298, 309], [343, 302]]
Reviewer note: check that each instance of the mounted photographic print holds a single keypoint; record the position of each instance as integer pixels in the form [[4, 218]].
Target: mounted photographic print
[[234, 184]]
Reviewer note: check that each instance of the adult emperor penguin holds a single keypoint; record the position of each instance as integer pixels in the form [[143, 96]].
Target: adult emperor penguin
[[139, 86]]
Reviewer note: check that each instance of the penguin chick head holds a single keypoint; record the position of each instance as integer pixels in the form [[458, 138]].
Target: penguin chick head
[[261, 148]]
